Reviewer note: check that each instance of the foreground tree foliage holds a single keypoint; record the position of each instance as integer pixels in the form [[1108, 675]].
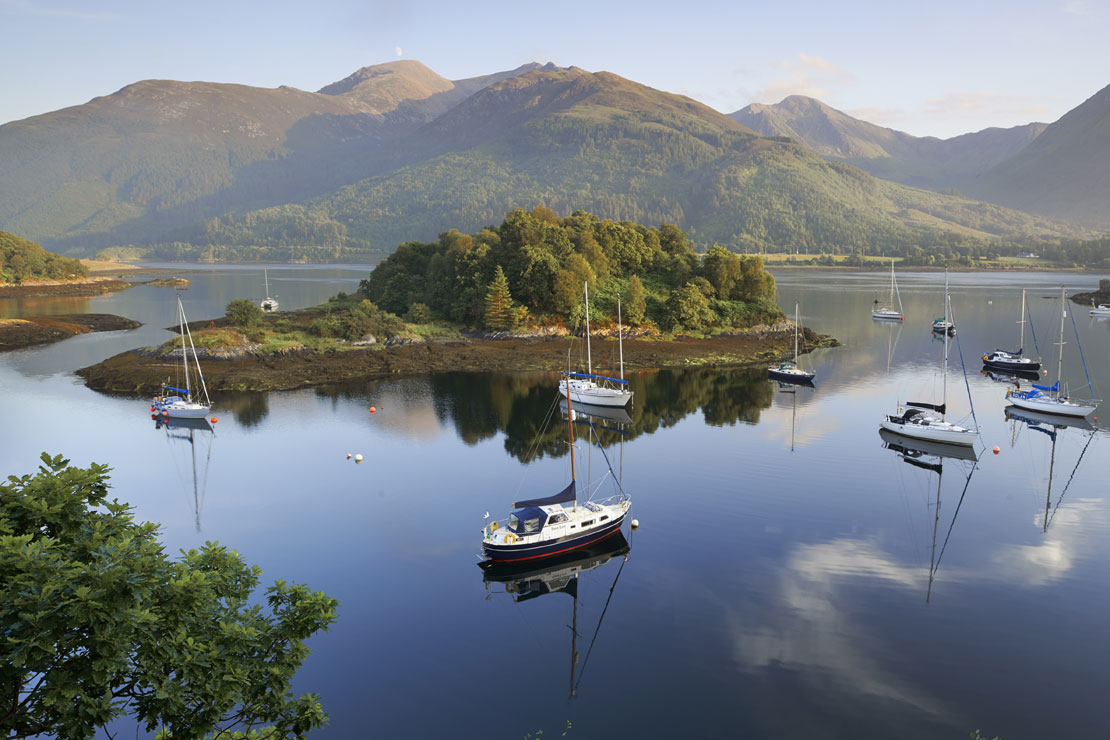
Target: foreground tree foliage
[[540, 261], [98, 623]]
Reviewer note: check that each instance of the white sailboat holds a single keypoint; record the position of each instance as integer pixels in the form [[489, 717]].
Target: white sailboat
[[584, 387], [915, 421], [887, 312], [1037, 398], [178, 407], [788, 371], [1102, 310], [270, 304]]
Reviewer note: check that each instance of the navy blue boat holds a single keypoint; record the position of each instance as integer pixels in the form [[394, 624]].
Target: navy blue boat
[[555, 525]]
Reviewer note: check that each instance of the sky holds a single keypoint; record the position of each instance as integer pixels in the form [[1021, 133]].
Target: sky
[[939, 68]]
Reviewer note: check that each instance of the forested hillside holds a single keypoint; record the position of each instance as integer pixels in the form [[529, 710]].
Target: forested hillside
[[24, 260]]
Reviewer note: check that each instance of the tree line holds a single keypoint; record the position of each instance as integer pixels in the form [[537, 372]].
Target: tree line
[[21, 260]]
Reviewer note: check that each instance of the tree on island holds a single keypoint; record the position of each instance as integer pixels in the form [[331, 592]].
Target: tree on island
[[98, 623], [243, 313], [634, 302], [501, 315]]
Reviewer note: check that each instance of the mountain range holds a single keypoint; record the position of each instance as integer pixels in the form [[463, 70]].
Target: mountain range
[[395, 152], [1060, 170]]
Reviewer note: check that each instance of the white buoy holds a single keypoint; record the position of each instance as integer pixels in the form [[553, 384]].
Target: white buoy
[[348, 456], [573, 416], [635, 523], [358, 458]]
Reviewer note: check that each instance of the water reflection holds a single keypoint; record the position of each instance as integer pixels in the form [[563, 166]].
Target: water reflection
[[524, 583], [1051, 425], [190, 434], [249, 408], [930, 456]]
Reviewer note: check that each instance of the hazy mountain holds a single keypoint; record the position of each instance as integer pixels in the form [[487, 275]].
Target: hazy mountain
[[159, 153], [572, 139], [926, 162], [396, 152], [1064, 173]]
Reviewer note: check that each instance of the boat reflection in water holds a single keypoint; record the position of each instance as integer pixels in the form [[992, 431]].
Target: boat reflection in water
[[928, 455], [1051, 425], [192, 432], [560, 575]]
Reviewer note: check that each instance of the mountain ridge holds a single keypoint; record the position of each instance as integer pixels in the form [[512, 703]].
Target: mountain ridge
[[395, 151]]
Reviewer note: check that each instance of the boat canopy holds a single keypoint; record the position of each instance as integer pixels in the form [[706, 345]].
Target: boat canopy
[[562, 497], [595, 377], [178, 390], [934, 406], [1054, 388]]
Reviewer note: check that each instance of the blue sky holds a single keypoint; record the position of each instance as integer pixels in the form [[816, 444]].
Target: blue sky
[[939, 68]]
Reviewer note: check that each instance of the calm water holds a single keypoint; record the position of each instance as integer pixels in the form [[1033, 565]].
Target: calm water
[[779, 585]]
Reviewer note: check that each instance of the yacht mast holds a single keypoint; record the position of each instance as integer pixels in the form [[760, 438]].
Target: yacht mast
[[589, 359], [1021, 344], [620, 334], [891, 301], [184, 353], [570, 426], [795, 333], [1060, 362], [944, 399]]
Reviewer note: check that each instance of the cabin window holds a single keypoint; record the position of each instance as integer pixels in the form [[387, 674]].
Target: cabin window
[[558, 518], [514, 523], [604, 518], [531, 525], [587, 523]]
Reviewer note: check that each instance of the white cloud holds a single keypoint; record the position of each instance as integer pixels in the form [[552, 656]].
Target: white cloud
[[397, 50], [978, 104], [808, 75]]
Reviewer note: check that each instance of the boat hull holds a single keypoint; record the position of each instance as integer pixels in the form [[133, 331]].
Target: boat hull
[[965, 437], [519, 553], [887, 316], [795, 378], [1050, 405], [188, 411], [598, 396], [1012, 366]]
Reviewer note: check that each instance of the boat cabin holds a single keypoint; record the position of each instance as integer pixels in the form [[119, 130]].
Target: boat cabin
[[532, 519]]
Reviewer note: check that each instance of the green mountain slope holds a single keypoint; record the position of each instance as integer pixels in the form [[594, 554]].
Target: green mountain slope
[[395, 152], [1064, 173], [160, 154], [571, 139], [926, 162]]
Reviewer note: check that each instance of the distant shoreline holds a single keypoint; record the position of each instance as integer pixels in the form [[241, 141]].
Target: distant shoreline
[[20, 333]]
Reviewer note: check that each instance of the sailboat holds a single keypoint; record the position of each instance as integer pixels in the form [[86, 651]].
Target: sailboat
[[916, 423], [1037, 398], [1101, 311], [944, 323], [788, 371], [561, 575], [270, 304], [583, 387], [887, 312], [176, 407], [914, 452], [1014, 361], [543, 527]]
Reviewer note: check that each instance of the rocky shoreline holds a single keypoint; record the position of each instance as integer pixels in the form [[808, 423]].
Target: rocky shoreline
[[96, 285], [1099, 297], [243, 369], [19, 333]]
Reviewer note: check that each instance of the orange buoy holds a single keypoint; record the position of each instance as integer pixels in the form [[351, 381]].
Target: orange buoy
[[1096, 418], [996, 450], [1044, 372], [165, 413], [214, 419], [348, 456], [373, 410]]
